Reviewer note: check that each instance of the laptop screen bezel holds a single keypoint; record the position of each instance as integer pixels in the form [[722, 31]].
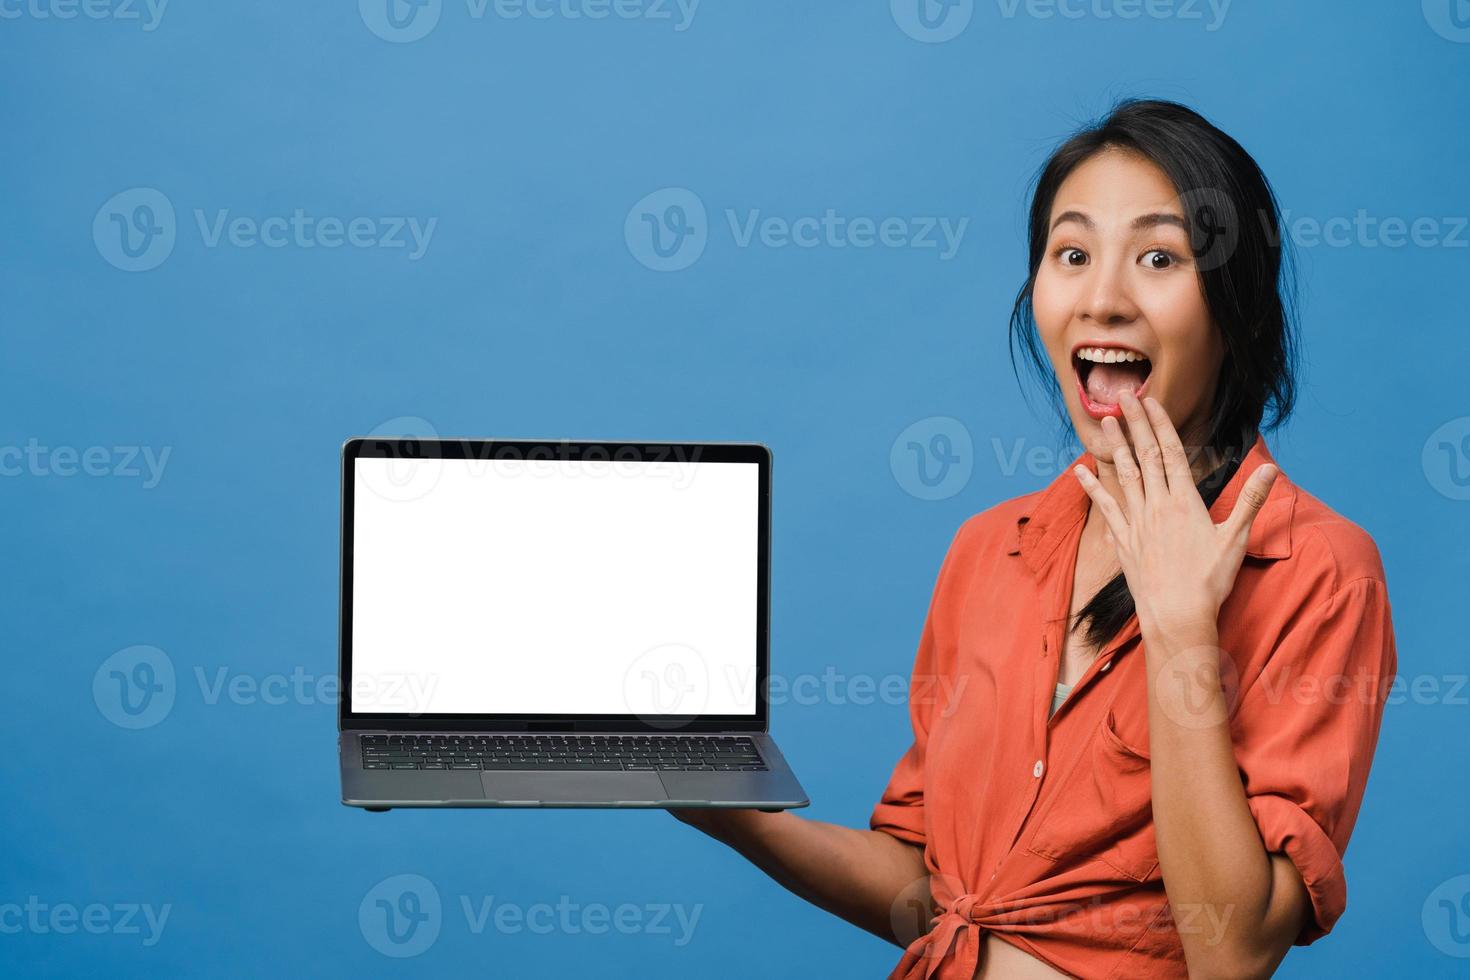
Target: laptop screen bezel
[[529, 449]]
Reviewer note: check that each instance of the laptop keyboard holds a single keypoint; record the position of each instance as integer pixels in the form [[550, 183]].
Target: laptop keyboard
[[693, 753]]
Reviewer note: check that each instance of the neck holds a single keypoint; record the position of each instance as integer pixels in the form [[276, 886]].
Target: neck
[[1204, 460]]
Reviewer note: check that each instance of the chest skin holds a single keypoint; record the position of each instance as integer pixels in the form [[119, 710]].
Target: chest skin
[[1096, 566]]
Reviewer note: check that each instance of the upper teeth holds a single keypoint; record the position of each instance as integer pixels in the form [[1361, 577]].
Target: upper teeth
[[1107, 355]]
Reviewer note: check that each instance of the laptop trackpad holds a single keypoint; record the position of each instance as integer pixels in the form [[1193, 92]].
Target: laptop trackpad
[[573, 787]]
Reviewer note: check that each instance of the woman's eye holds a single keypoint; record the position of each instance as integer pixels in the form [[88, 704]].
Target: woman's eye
[[1072, 256], [1158, 258]]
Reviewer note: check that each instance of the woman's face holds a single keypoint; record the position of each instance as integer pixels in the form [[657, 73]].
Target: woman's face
[[1119, 274]]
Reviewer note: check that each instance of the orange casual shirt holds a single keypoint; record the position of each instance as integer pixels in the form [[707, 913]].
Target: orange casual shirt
[[1039, 828]]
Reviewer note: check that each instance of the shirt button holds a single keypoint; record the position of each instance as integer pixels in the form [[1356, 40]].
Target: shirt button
[[1036, 769]]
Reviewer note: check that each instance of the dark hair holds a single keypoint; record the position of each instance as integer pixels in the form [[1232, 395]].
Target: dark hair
[[1233, 222]]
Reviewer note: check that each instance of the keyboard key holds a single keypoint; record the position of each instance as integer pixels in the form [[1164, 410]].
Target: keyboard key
[[596, 752]]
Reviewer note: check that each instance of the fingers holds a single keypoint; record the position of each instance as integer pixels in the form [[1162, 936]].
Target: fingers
[[1130, 478], [1145, 446], [1252, 498], [1176, 459], [1111, 512]]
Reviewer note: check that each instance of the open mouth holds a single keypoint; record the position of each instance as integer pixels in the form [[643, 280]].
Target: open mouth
[[1104, 372]]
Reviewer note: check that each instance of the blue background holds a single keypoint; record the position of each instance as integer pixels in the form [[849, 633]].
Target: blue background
[[529, 315]]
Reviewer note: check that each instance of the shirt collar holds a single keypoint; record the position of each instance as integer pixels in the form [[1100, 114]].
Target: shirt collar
[[1063, 504]]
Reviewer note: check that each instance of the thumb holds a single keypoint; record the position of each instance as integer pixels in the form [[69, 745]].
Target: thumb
[[1252, 498]]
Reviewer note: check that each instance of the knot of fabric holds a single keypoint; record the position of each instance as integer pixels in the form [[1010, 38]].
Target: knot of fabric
[[955, 932], [963, 906]]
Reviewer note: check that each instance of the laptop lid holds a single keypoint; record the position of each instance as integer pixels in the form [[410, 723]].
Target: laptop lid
[[520, 585]]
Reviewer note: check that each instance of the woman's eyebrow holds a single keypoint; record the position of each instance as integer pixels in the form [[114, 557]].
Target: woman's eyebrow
[[1076, 216], [1154, 220], [1139, 223]]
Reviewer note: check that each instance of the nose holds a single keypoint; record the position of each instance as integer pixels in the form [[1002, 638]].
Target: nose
[[1106, 298]]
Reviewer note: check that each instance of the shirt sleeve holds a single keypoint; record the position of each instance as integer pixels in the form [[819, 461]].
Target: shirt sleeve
[[900, 810], [1305, 733]]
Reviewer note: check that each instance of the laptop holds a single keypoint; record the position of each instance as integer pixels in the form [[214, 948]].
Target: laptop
[[557, 624]]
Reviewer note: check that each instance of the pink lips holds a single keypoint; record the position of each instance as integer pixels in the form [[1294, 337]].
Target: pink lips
[[1097, 411]]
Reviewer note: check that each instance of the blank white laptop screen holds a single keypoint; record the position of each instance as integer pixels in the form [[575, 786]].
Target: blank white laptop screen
[[554, 587]]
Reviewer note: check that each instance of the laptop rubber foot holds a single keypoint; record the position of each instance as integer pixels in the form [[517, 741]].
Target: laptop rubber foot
[[377, 809]]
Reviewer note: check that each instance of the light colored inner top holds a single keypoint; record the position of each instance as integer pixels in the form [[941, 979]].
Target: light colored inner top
[[1061, 695]]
